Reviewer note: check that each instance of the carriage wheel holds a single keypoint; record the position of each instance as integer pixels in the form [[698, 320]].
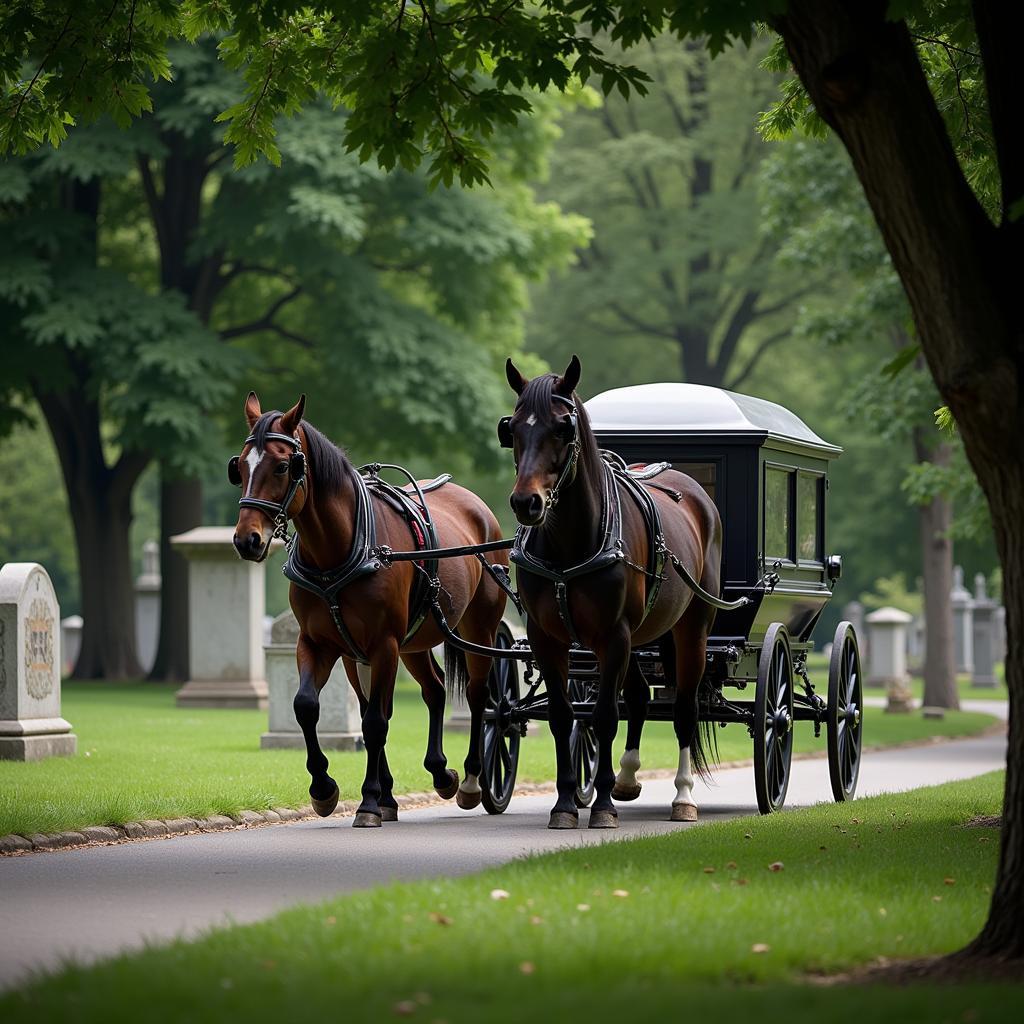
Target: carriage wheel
[[501, 735], [583, 745], [843, 715], [773, 720]]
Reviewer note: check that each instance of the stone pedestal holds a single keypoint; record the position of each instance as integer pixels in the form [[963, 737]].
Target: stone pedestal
[[984, 673], [887, 663], [31, 726], [339, 727], [147, 606], [853, 612], [70, 642], [963, 618], [226, 602]]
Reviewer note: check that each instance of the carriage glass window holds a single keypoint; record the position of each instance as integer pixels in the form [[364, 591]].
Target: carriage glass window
[[778, 513], [702, 472], [807, 522]]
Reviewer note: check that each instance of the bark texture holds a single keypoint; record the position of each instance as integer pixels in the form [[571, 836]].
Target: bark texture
[[961, 273]]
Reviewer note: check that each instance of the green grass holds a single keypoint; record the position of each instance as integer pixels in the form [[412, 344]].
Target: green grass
[[894, 876], [141, 757]]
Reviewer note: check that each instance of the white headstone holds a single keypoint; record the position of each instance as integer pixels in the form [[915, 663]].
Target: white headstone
[[339, 727], [31, 726], [887, 662], [70, 642], [226, 603], [147, 606], [984, 612], [963, 618]]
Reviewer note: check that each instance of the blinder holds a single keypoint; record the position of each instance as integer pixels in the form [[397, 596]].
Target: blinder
[[234, 473], [278, 512], [505, 438], [297, 466]]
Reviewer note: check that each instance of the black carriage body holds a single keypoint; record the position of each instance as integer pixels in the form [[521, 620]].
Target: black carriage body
[[767, 472]]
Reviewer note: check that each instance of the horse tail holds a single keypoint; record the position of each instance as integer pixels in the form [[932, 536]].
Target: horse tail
[[456, 672]]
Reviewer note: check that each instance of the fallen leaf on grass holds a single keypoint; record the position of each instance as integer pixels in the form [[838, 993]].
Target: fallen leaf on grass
[[936, 899], [709, 871], [731, 866], [583, 907], [882, 911], [760, 947], [776, 865], [950, 881], [499, 894], [536, 920], [440, 918], [620, 893], [526, 967], [740, 881], [330, 920], [406, 1008], [748, 835]]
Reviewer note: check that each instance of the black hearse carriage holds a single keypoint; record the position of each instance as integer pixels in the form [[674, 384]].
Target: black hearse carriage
[[768, 474]]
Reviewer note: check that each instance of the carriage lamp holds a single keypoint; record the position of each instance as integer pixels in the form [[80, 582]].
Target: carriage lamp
[[834, 567]]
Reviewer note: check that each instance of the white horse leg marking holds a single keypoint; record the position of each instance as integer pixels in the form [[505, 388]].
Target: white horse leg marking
[[365, 677], [684, 780], [470, 784], [253, 459], [629, 765]]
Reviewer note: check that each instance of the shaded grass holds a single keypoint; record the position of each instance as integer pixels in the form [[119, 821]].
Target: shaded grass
[[141, 757], [894, 876]]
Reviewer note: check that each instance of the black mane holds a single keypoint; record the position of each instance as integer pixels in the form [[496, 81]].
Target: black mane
[[536, 400], [327, 462]]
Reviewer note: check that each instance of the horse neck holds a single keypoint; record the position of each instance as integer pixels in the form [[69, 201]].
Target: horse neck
[[326, 525], [572, 531]]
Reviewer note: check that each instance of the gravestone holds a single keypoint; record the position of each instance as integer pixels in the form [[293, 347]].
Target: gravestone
[[963, 618], [999, 633], [853, 612], [70, 642], [339, 727], [984, 674], [31, 726], [225, 626], [887, 662], [147, 606]]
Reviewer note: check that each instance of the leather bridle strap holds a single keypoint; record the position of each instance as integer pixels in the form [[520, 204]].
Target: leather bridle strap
[[278, 511], [568, 472]]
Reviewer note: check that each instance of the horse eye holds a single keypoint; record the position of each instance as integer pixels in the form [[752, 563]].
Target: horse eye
[[281, 469]]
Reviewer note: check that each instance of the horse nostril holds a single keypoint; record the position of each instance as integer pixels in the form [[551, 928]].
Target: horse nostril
[[535, 505], [255, 541]]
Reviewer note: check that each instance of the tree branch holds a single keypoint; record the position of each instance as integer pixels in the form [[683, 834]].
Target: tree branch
[[766, 344], [266, 321], [156, 211], [637, 324], [742, 317]]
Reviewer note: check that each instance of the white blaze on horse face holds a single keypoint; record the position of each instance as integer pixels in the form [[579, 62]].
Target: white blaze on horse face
[[684, 780], [531, 420], [629, 765], [470, 784], [365, 678], [252, 460]]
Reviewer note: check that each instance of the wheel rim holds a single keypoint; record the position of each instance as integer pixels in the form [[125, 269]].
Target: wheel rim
[[773, 722], [501, 736], [846, 719], [583, 747]]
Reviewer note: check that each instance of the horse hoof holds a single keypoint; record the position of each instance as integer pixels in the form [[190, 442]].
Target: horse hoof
[[388, 813], [604, 819], [563, 819], [366, 819], [467, 801], [684, 812], [325, 808], [624, 792], [447, 792]]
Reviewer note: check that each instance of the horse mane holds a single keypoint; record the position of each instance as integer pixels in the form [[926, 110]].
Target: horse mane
[[328, 462], [536, 400]]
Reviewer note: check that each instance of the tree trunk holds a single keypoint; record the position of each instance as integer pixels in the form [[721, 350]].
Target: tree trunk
[[961, 275], [936, 519], [181, 508]]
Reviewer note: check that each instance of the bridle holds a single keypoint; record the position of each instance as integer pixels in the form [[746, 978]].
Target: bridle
[[277, 511], [568, 471]]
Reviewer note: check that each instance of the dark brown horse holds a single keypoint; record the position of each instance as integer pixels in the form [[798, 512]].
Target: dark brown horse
[[289, 470], [567, 496]]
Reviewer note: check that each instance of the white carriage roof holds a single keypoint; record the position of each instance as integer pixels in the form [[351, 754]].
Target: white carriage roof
[[674, 408]]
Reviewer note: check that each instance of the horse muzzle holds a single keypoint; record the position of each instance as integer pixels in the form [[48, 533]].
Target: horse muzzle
[[530, 508], [250, 545]]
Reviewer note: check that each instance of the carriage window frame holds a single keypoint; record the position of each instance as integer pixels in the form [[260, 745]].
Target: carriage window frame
[[818, 561], [787, 558]]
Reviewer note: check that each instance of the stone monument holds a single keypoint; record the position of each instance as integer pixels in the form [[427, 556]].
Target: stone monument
[[147, 606], [70, 642], [853, 612], [339, 727], [887, 661], [963, 629], [226, 602], [984, 674], [31, 726]]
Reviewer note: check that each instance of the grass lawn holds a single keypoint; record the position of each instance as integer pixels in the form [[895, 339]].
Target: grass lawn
[[141, 757], [692, 925]]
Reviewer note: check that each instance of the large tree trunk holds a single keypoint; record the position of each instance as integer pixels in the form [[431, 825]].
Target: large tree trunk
[[181, 508], [936, 520], [961, 276]]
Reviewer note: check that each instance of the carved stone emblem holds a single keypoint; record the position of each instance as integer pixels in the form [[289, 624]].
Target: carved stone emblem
[[39, 626]]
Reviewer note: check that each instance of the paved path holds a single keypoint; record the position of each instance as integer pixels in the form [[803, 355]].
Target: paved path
[[96, 901]]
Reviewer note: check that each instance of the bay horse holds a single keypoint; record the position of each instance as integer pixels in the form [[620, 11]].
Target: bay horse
[[590, 573], [351, 605]]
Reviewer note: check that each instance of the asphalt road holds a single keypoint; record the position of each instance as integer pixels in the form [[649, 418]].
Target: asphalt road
[[94, 902]]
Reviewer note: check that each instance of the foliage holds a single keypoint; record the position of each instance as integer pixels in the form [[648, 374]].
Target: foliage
[[892, 592], [608, 931]]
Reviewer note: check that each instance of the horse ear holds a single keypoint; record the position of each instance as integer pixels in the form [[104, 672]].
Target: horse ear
[[566, 384], [290, 420], [252, 409], [516, 381]]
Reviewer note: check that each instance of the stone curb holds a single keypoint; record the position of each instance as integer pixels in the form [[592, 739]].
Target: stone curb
[[107, 835]]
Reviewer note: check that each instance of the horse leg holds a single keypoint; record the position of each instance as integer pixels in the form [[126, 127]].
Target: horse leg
[[315, 664], [613, 658], [359, 676], [383, 669], [424, 670], [636, 695], [690, 637], [553, 662]]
